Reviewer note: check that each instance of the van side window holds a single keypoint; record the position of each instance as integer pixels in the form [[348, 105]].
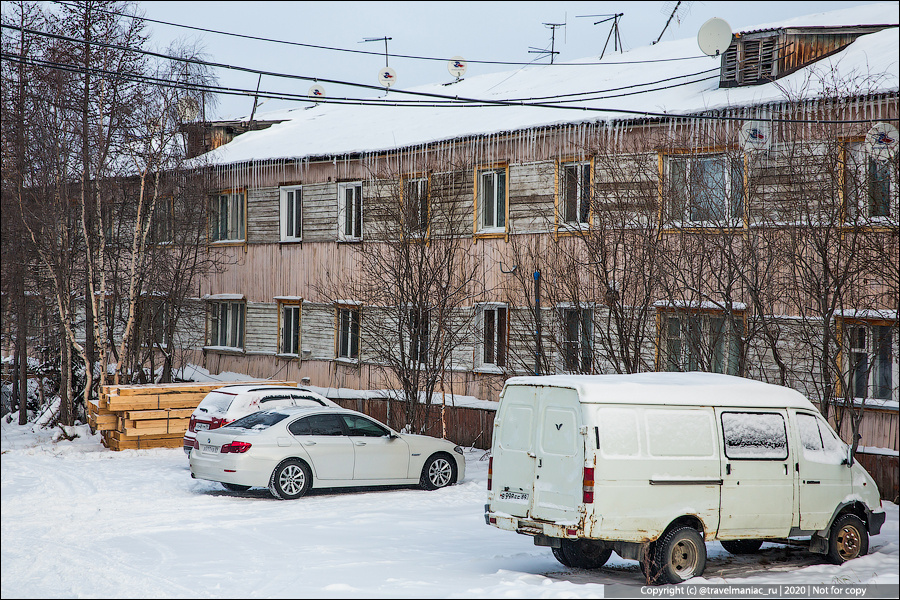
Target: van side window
[[760, 436], [819, 442], [809, 434]]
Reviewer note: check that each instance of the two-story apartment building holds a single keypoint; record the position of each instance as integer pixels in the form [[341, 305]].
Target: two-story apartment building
[[654, 210]]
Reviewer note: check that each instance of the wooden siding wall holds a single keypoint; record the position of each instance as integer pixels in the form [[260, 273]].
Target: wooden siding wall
[[531, 196]]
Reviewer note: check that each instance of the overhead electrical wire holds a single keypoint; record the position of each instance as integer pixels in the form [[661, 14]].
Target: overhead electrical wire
[[438, 100], [369, 52], [409, 104]]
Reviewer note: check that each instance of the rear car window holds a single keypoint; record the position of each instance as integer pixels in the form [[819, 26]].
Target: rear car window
[[259, 420], [217, 402]]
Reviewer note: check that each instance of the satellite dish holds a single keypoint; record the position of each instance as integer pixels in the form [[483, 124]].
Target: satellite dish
[[881, 141], [316, 91], [457, 66], [714, 37], [187, 109], [387, 77], [755, 135]]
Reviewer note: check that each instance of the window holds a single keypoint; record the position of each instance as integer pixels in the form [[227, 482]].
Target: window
[[754, 436], [706, 189], [700, 342], [871, 361], [819, 442], [869, 186], [226, 218], [350, 211], [318, 425], [291, 214], [493, 335], [418, 334], [226, 321], [491, 185], [348, 333], [575, 193], [154, 316], [161, 225], [363, 427], [290, 328], [415, 205], [578, 339]]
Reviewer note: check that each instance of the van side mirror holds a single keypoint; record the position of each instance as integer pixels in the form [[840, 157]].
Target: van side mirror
[[848, 460]]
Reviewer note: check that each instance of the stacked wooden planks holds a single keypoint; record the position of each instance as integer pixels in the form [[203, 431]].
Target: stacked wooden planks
[[150, 416]]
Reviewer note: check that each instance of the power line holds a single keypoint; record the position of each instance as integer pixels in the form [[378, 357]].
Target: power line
[[367, 52], [470, 103]]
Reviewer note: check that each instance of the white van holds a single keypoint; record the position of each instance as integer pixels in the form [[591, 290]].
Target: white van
[[651, 465]]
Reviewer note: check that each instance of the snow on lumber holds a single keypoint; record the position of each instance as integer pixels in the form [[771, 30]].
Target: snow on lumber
[[151, 416]]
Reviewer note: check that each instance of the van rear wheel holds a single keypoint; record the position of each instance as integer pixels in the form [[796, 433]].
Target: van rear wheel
[[677, 557], [582, 554], [742, 546]]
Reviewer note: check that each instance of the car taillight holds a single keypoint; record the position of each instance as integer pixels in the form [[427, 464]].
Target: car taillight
[[196, 444], [192, 423], [235, 448], [490, 471], [587, 495]]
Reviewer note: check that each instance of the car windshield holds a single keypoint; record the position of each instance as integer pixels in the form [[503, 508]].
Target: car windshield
[[259, 420], [217, 402]]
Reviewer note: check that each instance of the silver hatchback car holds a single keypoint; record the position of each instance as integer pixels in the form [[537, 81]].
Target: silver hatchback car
[[293, 449]]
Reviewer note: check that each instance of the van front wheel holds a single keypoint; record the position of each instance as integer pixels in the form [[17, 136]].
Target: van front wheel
[[848, 540], [582, 554], [677, 557]]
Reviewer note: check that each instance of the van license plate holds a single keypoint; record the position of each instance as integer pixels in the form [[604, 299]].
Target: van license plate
[[514, 496], [208, 449]]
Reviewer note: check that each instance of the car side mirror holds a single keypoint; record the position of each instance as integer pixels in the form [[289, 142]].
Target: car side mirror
[[392, 436]]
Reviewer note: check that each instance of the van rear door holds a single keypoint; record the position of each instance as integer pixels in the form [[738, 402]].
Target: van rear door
[[559, 470], [538, 454]]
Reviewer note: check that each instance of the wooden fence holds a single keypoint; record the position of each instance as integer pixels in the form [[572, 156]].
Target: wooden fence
[[884, 470]]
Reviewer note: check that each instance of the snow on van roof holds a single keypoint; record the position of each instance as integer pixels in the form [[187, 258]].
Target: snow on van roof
[[673, 389], [328, 130]]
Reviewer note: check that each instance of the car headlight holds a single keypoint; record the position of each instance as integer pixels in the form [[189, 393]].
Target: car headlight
[[458, 450]]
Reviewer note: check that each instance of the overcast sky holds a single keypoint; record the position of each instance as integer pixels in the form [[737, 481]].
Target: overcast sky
[[477, 31]]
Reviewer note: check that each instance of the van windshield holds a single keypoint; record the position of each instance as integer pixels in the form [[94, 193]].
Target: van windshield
[[217, 402]]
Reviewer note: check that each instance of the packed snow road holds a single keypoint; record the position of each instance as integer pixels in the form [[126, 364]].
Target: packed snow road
[[81, 521]]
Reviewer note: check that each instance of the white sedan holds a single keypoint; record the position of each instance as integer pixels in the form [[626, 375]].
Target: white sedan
[[293, 449]]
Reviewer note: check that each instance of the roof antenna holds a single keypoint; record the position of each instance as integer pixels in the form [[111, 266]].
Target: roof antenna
[[255, 100], [552, 52], [614, 34], [687, 7]]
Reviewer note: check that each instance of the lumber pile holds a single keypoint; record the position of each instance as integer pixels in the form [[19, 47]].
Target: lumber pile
[[150, 416]]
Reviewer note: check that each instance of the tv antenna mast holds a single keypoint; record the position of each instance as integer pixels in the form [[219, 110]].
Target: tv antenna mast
[[614, 34], [552, 52], [687, 7]]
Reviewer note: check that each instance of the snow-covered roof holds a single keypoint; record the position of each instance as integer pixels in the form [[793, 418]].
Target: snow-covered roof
[[669, 78], [673, 389]]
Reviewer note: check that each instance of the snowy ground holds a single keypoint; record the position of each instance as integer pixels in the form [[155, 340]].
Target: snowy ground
[[81, 521]]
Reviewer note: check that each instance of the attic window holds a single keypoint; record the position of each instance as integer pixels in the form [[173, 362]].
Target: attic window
[[750, 62]]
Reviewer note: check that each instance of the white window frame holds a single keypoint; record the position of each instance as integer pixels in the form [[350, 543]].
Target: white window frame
[[227, 324], [493, 192], [416, 218], [291, 213], [581, 192], [576, 351], [871, 360], [289, 315], [418, 334], [687, 194], [232, 227], [350, 211], [708, 330], [860, 187], [347, 335], [493, 336]]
